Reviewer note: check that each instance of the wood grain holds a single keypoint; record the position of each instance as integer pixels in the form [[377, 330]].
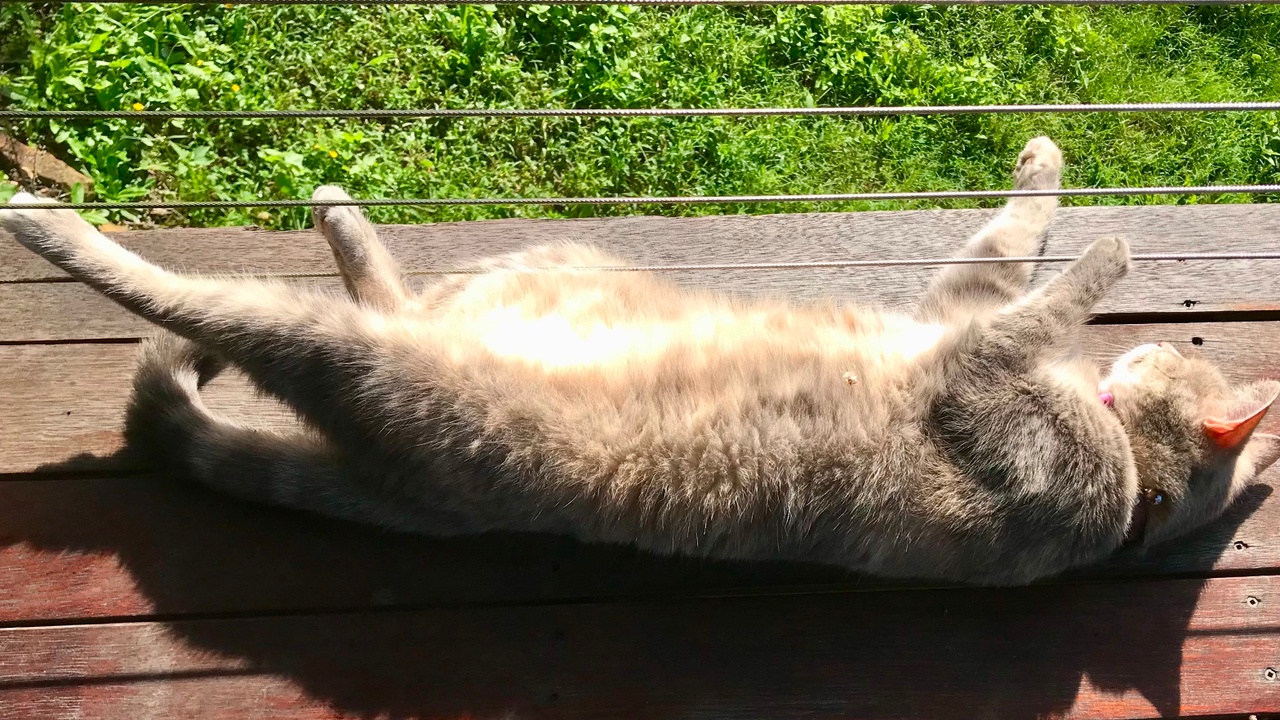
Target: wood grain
[[1116, 650], [63, 401], [42, 311]]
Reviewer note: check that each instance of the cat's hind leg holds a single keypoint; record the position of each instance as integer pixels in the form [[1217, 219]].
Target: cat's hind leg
[[167, 421], [336, 363], [962, 291], [371, 275]]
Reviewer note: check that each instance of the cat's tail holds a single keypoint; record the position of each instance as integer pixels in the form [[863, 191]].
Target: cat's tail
[[168, 424]]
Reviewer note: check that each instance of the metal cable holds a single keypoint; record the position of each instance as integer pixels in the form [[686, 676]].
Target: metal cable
[[838, 264], [641, 112], [669, 200], [668, 3]]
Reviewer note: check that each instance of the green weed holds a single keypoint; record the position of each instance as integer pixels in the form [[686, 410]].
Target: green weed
[[87, 56]]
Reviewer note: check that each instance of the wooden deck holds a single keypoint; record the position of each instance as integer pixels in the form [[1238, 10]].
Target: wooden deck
[[126, 595]]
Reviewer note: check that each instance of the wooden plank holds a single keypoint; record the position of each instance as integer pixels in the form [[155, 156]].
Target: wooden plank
[[31, 311], [1116, 650], [67, 400], [75, 549]]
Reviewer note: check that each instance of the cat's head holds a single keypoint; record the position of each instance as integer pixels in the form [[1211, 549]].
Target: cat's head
[[1192, 433]]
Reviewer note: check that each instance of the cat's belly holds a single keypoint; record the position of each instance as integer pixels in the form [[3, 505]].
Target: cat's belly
[[568, 341]]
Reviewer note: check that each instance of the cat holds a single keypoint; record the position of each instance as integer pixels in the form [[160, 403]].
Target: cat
[[968, 441]]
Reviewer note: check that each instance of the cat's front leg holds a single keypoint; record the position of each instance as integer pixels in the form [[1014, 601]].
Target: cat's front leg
[[1052, 316]]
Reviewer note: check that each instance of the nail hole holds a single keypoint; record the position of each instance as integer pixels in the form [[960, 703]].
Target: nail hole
[[1240, 545], [68, 412], [1190, 303], [1197, 341], [1253, 601], [553, 697], [1270, 673]]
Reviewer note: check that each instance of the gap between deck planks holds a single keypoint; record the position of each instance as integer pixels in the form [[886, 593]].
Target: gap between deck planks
[[32, 308], [1125, 650]]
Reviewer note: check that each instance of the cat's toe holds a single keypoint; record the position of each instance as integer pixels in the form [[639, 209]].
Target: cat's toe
[[1039, 166]]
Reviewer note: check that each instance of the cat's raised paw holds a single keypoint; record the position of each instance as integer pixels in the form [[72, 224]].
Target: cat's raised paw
[[1039, 166], [324, 215], [1107, 257]]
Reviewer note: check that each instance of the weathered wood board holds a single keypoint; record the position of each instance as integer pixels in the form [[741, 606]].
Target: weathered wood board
[[1118, 650]]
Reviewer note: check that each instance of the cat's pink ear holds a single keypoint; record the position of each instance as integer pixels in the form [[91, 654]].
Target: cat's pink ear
[[1251, 406]]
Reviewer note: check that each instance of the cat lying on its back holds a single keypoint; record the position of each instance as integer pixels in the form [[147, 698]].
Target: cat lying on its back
[[967, 441]]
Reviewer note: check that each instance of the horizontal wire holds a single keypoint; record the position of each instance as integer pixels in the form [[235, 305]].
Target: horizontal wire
[[644, 112], [820, 264], [669, 200], [664, 3]]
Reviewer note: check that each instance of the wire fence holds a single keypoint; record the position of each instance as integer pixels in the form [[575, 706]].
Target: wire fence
[[870, 111], [846, 264], [145, 115], [670, 200]]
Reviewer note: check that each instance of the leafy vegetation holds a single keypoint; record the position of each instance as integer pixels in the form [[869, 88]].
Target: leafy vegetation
[[87, 56]]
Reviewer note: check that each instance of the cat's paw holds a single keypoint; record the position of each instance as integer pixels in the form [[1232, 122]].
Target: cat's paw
[[333, 215], [1106, 260], [1039, 166], [47, 232]]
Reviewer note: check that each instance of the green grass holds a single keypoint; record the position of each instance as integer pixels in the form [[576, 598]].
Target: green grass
[[262, 57]]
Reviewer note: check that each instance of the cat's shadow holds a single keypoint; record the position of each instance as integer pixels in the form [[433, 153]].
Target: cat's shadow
[[463, 627]]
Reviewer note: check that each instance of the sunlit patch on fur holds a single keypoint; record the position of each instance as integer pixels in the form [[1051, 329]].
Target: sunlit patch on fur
[[1122, 370], [555, 341]]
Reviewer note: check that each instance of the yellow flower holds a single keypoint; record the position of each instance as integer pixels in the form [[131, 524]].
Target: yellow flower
[[235, 88], [316, 147], [137, 107], [333, 153], [199, 63], [228, 5]]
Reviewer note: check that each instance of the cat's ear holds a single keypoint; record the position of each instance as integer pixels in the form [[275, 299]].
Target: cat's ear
[[1234, 427]]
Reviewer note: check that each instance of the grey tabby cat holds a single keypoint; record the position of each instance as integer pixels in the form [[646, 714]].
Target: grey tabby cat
[[969, 441]]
